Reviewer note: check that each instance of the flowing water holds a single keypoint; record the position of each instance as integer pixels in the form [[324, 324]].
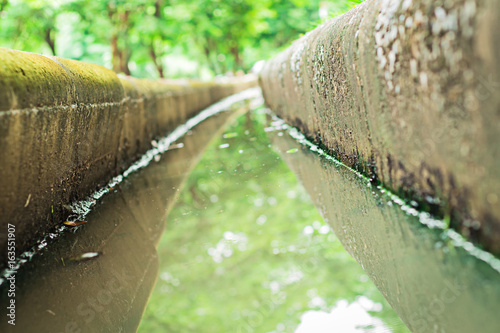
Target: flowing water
[[215, 233]]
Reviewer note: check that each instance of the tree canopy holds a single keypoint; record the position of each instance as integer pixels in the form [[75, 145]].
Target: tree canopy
[[162, 38]]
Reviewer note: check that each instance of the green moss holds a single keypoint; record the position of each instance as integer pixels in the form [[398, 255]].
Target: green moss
[[33, 80]]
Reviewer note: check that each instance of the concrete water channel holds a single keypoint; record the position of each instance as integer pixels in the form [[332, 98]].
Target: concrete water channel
[[395, 141], [244, 249]]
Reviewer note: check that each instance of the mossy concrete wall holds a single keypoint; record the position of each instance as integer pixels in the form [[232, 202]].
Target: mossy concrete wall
[[408, 92], [109, 293], [434, 281], [67, 127]]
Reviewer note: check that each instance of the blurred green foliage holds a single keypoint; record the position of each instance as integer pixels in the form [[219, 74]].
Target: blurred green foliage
[[162, 38], [245, 250]]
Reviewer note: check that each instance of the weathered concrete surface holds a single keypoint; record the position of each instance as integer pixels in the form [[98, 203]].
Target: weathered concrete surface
[[432, 284], [67, 127], [109, 293], [409, 93]]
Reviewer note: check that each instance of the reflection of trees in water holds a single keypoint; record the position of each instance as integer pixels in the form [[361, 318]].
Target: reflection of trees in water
[[256, 258]]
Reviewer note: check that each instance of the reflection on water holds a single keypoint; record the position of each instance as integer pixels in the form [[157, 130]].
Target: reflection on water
[[108, 292], [344, 317], [246, 251], [435, 280]]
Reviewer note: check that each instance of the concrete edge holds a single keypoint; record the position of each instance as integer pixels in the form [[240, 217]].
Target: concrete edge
[[67, 127]]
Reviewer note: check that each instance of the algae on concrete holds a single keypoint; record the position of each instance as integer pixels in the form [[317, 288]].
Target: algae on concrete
[[67, 127], [408, 93]]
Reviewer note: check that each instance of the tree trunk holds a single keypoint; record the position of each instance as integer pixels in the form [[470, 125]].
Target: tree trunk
[[208, 49], [124, 60], [121, 56], [235, 51], [116, 54], [50, 40], [156, 61], [158, 4]]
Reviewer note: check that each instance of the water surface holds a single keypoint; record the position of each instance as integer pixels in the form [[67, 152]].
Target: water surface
[[216, 233], [56, 291], [245, 250]]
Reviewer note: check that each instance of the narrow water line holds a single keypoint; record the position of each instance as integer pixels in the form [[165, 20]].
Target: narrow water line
[[424, 218], [80, 209]]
